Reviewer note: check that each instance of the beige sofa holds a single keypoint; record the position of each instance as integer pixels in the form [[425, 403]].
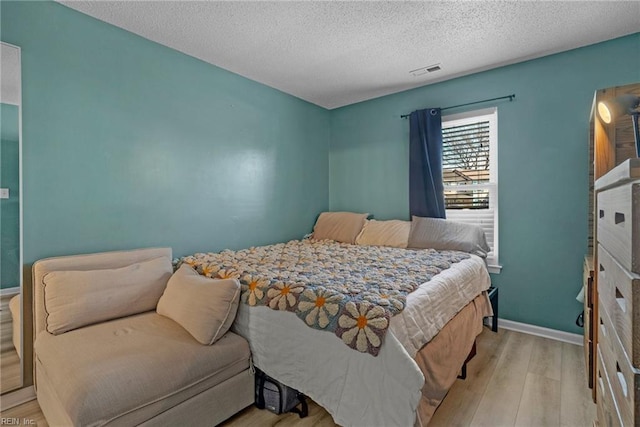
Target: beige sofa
[[142, 369]]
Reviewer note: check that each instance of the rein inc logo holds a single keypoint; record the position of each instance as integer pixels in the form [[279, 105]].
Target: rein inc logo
[[6, 421]]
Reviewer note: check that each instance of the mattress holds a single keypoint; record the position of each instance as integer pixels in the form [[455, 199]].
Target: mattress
[[358, 389], [352, 291], [434, 303]]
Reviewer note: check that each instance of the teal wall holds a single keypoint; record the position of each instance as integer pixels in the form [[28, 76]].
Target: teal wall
[[9, 208], [542, 161], [127, 143]]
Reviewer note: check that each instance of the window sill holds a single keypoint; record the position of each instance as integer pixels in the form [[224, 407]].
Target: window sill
[[494, 269]]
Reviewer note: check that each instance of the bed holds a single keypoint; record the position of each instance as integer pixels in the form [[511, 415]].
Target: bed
[[429, 303]]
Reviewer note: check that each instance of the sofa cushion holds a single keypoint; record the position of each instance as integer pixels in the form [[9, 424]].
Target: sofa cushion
[[118, 370], [205, 307], [73, 299]]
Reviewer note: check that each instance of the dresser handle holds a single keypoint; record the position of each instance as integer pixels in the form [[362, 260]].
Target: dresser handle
[[619, 218], [600, 381], [601, 213], [623, 382], [621, 301], [603, 330]]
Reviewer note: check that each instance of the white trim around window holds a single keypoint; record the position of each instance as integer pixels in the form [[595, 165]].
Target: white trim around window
[[486, 217]]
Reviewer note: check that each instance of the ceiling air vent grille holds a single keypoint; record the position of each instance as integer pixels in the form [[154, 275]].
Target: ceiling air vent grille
[[424, 70]]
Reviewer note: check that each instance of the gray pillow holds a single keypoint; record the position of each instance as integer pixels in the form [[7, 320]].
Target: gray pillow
[[440, 234]]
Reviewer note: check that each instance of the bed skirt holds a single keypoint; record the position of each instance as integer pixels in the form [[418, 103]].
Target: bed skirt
[[440, 360]]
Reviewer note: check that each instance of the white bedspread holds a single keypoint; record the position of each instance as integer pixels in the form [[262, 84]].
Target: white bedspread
[[358, 389]]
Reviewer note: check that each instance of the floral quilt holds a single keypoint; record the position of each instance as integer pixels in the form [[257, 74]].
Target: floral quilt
[[352, 291]]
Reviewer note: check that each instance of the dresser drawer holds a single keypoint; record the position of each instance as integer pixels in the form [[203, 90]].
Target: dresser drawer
[[623, 379], [607, 412], [589, 352], [619, 224], [619, 293]]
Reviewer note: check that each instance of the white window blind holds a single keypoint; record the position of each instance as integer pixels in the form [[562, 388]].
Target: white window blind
[[470, 173]]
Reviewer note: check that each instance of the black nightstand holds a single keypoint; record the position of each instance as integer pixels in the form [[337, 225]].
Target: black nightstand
[[493, 298]]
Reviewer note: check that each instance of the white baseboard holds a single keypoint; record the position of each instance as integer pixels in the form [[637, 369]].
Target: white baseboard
[[553, 334], [10, 291], [17, 397]]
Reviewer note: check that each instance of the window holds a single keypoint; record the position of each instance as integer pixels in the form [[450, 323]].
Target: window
[[470, 173]]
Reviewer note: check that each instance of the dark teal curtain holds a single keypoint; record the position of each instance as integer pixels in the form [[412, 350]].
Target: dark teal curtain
[[426, 191]]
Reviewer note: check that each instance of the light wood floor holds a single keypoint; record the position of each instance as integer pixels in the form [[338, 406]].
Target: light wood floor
[[515, 380], [10, 372], [520, 380]]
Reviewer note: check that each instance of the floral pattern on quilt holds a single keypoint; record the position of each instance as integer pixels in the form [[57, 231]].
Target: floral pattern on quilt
[[352, 291]]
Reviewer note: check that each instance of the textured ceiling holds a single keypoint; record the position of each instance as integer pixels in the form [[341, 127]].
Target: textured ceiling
[[9, 74], [335, 53]]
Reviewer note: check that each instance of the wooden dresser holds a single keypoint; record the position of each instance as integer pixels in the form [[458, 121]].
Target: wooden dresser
[[617, 267], [589, 342], [610, 145]]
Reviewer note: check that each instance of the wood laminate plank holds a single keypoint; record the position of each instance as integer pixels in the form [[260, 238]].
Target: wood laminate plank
[[255, 417], [495, 381], [540, 404], [460, 405], [30, 412], [546, 358], [10, 372], [317, 416], [500, 402], [576, 406], [6, 336]]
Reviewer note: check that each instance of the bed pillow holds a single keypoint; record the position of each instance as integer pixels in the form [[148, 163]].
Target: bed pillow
[[73, 299], [205, 307], [441, 234], [393, 233], [339, 226]]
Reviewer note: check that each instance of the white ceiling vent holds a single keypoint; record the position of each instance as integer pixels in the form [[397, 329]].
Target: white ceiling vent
[[424, 70]]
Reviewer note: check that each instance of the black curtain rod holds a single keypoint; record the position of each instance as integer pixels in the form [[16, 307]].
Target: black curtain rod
[[511, 97]]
